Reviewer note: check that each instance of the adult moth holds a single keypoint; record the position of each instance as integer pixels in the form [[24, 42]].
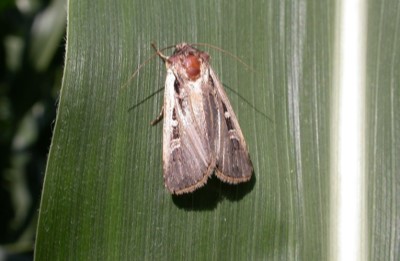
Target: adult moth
[[201, 132]]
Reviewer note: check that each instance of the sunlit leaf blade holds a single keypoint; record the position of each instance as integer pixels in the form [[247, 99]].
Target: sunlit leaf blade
[[383, 130], [104, 197]]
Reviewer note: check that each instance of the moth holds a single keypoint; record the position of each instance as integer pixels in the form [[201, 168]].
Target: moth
[[201, 133]]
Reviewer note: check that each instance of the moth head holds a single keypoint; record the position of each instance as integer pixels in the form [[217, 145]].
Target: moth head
[[189, 59], [186, 60], [192, 65]]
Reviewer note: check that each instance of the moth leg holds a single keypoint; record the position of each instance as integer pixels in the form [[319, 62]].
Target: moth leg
[[159, 117]]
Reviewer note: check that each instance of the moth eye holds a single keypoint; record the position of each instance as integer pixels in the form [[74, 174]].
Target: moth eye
[[192, 66]]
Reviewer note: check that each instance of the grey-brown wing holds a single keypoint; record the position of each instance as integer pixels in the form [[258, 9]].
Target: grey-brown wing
[[188, 159], [233, 164]]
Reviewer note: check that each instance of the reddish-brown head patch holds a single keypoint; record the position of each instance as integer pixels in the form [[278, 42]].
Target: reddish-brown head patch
[[192, 66]]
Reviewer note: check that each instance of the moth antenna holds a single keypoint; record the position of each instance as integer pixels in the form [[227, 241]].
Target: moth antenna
[[227, 53], [138, 69], [158, 53]]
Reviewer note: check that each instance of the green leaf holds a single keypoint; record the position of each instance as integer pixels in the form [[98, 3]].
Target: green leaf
[[104, 197], [383, 129]]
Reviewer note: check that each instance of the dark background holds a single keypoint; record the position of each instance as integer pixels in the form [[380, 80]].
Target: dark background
[[31, 65]]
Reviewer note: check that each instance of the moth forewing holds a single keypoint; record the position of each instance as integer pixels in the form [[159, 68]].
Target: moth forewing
[[187, 156], [233, 160], [201, 132]]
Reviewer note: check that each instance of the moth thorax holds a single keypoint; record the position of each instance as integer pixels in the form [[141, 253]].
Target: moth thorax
[[192, 66]]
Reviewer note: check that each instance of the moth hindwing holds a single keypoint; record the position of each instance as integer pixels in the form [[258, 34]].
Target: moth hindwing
[[201, 132]]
